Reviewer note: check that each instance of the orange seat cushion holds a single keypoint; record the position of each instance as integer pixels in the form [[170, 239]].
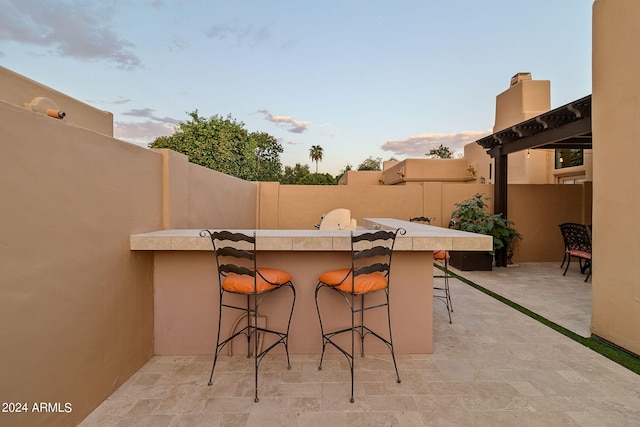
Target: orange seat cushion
[[580, 254], [441, 255], [244, 284], [341, 279]]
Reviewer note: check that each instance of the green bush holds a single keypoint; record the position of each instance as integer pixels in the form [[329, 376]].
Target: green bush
[[472, 215]]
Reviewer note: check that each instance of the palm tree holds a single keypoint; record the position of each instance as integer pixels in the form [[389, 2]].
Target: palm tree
[[315, 152]]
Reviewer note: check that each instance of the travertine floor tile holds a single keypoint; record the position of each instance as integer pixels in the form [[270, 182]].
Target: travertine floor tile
[[493, 366]]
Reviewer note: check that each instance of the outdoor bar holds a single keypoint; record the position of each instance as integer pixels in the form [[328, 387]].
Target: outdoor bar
[[186, 288]]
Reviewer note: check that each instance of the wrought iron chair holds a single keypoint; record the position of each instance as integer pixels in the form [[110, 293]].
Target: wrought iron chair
[[369, 273], [442, 293], [577, 244], [238, 273]]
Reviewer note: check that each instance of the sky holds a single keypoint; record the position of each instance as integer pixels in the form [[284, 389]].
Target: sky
[[360, 78]]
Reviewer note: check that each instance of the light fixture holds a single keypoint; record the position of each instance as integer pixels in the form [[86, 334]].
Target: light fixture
[[561, 159], [528, 154]]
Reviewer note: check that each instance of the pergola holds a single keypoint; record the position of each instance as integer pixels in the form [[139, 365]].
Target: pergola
[[568, 126]]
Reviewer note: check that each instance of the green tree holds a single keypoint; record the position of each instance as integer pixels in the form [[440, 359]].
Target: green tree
[[268, 150], [371, 164], [441, 152], [315, 153], [346, 169], [294, 174], [317, 179], [223, 144]]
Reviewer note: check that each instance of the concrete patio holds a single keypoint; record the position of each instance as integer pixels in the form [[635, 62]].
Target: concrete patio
[[493, 366]]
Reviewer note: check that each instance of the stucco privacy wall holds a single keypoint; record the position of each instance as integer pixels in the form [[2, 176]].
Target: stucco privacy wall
[[536, 209], [19, 90], [77, 305], [198, 197], [77, 317], [616, 187]]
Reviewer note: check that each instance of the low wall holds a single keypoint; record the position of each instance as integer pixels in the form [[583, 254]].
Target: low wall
[[537, 210]]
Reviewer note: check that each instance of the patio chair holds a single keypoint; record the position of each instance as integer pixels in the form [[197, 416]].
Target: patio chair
[[239, 274], [442, 293], [369, 274], [577, 244]]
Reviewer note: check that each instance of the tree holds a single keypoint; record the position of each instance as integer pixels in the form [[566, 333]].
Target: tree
[[268, 150], [316, 152], [223, 144], [441, 152], [292, 175], [346, 169], [317, 179], [371, 164]]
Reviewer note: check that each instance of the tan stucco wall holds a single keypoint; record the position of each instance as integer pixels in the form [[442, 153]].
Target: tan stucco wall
[[424, 170], [361, 178], [616, 149], [21, 91], [198, 197], [536, 209], [186, 303], [77, 316], [521, 101]]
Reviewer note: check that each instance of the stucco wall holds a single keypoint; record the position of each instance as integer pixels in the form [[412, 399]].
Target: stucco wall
[[537, 210], [616, 149], [361, 178], [198, 197], [19, 90], [419, 170], [77, 316]]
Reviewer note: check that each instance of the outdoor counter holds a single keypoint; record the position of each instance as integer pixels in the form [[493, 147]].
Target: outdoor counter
[[186, 286]]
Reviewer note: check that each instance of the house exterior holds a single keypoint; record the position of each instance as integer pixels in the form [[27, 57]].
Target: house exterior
[[524, 99], [78, 304]]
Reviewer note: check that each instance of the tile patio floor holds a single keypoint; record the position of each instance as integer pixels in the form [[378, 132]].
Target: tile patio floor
[[492, 367]]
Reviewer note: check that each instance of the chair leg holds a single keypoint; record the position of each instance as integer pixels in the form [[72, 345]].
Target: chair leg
[[446, 298], [359, 329], [567, 267], [353, 331], [286, 341], [393, 354], [218, 347], [446, 273], [255, 346], [587, 265]]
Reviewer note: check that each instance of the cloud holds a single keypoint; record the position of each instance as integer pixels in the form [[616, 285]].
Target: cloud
[[79, 30], [294, 126], [144, 132], [150, 113], [141, 133], [241, 34], [419, 145]]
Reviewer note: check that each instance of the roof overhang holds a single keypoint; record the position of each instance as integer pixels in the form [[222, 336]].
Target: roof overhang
[[568, 126]]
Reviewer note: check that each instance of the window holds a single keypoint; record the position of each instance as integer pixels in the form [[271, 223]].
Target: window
[[573, 179], [569, 157]]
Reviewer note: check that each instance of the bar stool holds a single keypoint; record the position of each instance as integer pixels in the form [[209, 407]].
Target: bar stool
[[369, 273], [441, 258], [239, 274]]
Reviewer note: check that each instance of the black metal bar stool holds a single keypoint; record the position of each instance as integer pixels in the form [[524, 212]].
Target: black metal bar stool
[[238, 273], [441, 258], [369, 273]]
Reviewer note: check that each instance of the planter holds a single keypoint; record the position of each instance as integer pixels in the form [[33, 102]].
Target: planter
[[471, 260]]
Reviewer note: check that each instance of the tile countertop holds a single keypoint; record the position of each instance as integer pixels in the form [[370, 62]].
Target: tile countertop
[[419, 237]]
